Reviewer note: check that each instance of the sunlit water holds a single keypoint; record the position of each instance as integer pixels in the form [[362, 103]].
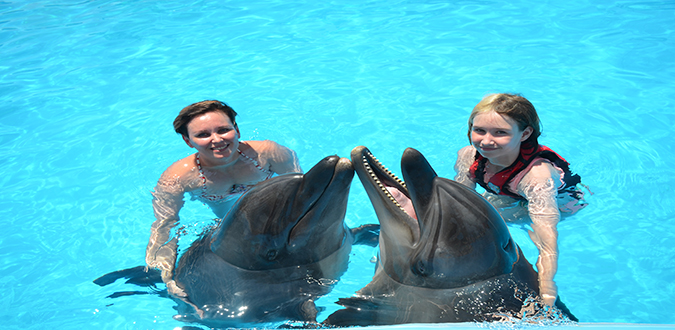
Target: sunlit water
[[88, 91]]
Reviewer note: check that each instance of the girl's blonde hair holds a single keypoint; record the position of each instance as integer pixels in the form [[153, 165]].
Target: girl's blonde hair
[[516, 107]]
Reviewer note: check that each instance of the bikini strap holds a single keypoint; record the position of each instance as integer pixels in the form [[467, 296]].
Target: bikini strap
[[201, 175], [255, 163]]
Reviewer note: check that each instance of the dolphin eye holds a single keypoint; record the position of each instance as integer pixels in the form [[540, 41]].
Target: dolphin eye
[[271, 255], [420, 268]]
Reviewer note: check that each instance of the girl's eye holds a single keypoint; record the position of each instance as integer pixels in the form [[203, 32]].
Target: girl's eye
[[202, 135], [479, 130], [224, 130]]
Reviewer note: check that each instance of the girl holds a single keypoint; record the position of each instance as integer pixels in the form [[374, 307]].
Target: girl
[[526, 182]]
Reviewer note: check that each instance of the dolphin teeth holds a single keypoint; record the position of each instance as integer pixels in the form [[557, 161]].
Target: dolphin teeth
[[370, 170]]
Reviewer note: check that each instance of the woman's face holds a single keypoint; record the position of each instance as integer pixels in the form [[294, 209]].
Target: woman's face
[[498, 137], [213, 135]]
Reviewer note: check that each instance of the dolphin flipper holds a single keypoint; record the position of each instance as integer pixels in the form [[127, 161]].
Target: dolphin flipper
[[362, 311], [127, 293], [366, 234], [136, 275]]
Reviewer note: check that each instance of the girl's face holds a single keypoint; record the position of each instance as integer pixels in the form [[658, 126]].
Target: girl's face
[[498, 137], [213, 135]]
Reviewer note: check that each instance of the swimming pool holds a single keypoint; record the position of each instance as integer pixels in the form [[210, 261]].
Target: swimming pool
[[89, 89]]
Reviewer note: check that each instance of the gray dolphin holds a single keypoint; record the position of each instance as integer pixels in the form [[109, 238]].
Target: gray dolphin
[[452, 261], [281, 246]]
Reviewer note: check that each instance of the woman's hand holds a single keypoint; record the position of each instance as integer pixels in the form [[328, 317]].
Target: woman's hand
[[176, 291]]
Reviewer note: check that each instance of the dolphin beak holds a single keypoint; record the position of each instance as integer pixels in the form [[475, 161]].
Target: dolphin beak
[[314, 183], [389, 196], [319, 176], [324, 189], [390, 186]]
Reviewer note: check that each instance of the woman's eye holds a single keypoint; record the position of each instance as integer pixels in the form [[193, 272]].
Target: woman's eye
[[202, 135], [224, 130]]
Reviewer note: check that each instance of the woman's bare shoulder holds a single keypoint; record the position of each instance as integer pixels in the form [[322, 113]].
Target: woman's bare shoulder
[[268, 148], [182, 173], [281, 159], [263, 145]]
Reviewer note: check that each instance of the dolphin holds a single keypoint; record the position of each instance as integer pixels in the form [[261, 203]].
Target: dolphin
[[282, 245], [449, 258]]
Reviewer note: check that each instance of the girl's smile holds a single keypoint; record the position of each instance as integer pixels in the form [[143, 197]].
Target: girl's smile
[[497, 137]]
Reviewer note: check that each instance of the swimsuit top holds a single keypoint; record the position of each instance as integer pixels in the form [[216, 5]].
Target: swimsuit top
[[235, 192]]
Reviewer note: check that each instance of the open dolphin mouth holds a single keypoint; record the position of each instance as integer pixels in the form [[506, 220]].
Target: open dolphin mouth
[[390, 185]]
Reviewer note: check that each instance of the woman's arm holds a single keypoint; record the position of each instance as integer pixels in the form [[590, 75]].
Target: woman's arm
[[162, 249], [166, 203]]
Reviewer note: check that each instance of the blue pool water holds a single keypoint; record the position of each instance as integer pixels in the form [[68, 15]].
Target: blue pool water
[[88, 91]]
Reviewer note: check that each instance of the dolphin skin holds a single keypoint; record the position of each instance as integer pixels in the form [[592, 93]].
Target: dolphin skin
[[281, 246], [451, 260]]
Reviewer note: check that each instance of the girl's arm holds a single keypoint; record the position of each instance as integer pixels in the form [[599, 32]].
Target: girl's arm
[[465, 158], [540, 188]]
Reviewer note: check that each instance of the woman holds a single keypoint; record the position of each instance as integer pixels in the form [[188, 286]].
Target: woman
[[221, 170], [526, 182]]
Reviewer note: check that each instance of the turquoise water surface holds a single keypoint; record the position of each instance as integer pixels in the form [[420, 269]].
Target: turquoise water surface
[[89, 89]]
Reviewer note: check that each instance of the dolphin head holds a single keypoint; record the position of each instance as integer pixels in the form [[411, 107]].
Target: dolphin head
[[289, 220], [453, 239]]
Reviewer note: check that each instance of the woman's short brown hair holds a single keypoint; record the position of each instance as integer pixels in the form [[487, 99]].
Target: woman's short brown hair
[[193, 110]]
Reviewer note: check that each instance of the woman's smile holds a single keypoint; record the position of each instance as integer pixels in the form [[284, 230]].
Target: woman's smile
[[214, 136]]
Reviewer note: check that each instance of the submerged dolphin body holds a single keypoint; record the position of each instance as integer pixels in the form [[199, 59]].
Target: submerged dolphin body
[[281, 246], [452, 261]]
